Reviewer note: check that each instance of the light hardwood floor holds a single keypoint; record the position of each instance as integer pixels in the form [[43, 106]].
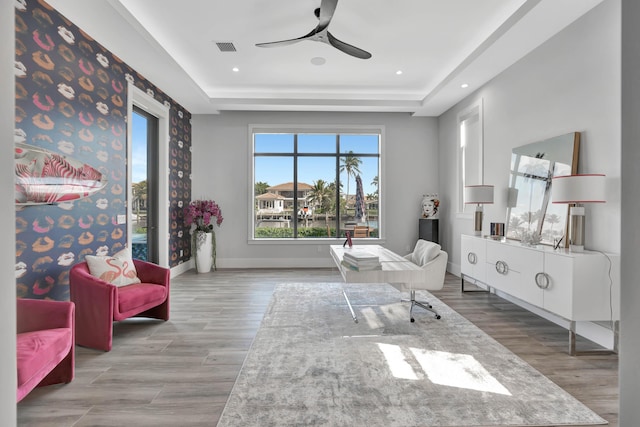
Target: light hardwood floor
[[180, 372]]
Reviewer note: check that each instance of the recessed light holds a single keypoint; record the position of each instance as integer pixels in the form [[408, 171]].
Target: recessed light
[[399, 72], [464, 85], [318, 60], [235, 69]]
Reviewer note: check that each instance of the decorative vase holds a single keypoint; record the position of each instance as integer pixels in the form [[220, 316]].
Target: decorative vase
[[204, 251]]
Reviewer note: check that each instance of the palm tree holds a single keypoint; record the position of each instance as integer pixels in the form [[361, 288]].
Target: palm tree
[[351, 165], [320, 197], [139, 191], [514, 225], [261, 188], [333, 191], [527, 217], [375, 183], [552, 219]]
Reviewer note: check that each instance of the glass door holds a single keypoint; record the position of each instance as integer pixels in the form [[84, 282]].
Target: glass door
[[144, 185]]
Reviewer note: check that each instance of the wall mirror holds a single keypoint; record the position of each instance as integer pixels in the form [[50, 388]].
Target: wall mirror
[[529, 207]]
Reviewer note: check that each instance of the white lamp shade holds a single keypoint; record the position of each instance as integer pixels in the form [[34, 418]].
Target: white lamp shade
[[588, 188], [479, 194]]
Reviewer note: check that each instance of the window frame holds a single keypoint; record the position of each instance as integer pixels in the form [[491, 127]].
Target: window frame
[[311, 129], [474, 112], [143, 100]]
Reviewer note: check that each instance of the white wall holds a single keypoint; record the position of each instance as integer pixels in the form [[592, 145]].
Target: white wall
[[7, 217], [571, 83], [220, 171], [630, 268]]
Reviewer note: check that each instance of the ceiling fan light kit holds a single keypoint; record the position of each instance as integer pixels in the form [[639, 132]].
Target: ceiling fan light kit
[[321, 33]]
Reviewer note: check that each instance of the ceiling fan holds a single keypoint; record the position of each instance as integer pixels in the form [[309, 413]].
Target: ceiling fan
[[321, 33]]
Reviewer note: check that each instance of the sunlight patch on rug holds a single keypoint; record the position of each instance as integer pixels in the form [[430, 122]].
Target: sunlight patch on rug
[[457, 370], [397, 362], [443, 368]]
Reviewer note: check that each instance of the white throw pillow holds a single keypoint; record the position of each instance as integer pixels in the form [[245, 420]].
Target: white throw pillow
[[424, 252], [117, 269]]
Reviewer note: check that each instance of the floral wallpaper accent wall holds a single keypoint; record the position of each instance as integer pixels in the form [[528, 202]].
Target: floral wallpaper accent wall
[[71, 99]]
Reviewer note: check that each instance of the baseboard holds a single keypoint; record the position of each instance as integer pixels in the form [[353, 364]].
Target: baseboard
[[454, 269], [239, 263], [181, 268], [319, 262]]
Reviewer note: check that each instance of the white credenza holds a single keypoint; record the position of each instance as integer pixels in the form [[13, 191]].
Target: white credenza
[[577, 286]]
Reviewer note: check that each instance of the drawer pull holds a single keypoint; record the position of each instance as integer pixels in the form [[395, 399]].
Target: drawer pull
[[502, 267], [542, 280], [472, 258]]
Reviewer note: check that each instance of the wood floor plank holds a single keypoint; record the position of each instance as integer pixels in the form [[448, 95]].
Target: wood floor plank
[[181, 372]]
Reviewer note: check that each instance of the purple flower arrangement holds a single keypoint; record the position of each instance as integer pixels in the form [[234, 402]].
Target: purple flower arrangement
[[202, 213]]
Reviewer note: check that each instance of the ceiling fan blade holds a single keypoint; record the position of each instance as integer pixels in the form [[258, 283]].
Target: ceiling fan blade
[[347, 48], [286, 42], [327, 8], [280, 43]]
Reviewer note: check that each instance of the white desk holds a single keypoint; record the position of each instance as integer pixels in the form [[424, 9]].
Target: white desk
[[395, 268]]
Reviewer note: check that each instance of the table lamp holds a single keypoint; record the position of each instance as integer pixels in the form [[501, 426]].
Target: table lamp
[[577, 190], [478, 195]]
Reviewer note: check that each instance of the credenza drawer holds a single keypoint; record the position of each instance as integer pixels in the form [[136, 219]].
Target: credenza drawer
[[473, 263], [512, 268], [515, 258], [500, 276]]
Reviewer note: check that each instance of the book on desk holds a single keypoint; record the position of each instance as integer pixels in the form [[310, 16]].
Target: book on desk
[[363, 267], [360, 255], [361, 261]]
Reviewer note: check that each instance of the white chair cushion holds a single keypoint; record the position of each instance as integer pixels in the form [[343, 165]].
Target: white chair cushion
[[424, 252], [117, 269]]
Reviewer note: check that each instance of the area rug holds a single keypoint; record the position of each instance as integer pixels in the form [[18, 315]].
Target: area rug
[[311, 365]]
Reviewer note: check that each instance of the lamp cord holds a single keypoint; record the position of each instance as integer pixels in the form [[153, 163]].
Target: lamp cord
[[611, 321]]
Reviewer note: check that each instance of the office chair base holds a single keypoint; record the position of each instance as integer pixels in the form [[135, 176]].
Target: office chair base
[[420, 304]]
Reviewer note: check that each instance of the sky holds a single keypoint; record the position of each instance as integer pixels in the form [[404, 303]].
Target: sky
[[278, 170], [139, 149]]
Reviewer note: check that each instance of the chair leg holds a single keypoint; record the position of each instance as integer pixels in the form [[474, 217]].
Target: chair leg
[[422, 304]]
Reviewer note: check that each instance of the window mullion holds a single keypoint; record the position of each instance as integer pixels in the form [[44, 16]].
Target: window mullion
[[337, 182], [294, 212]]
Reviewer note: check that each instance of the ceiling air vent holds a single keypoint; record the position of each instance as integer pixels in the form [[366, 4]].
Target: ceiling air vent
[[226, 46]]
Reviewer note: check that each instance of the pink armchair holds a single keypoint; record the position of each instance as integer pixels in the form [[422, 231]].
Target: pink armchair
[[99, 303], [44, 343]]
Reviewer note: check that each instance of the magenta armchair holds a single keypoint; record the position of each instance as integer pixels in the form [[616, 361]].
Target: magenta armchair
[[44, 343], [99, 303]]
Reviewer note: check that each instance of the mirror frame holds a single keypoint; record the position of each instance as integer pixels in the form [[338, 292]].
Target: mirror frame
[[541, 150]]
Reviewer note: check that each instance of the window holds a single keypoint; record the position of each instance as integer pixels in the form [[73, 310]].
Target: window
[[470, 152], [315, 184], [141, 99], [144, 184]]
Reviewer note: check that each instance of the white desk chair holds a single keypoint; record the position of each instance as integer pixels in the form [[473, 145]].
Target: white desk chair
[[433, 260]]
